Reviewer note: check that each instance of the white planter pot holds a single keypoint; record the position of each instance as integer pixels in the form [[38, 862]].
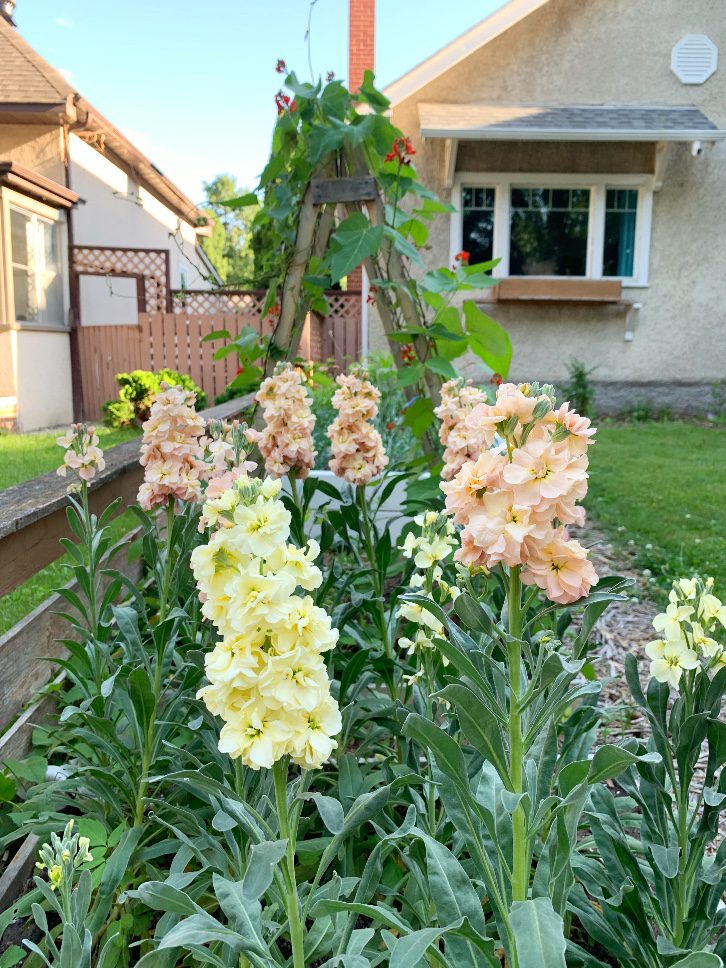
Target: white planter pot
[[391, 512]]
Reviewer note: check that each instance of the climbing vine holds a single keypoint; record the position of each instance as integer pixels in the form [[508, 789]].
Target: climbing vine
[[339, 191]]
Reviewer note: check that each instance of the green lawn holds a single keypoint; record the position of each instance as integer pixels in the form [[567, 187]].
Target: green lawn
[[23, 456], [663, 486]]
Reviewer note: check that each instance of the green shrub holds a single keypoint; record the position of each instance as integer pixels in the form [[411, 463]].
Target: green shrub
[[137, 393], [579, 390]]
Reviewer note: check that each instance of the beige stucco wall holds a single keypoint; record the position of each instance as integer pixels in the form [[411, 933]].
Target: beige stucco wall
[[43, 379], [34, 146], [31, 362], [593, 52]]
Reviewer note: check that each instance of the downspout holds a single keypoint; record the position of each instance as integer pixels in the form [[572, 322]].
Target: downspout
[[74, 301]]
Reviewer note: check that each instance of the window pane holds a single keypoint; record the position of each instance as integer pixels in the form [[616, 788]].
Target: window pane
[[24, 296], [37, 279], [20, 237], [478, 223], [619, 247], [549, 232]]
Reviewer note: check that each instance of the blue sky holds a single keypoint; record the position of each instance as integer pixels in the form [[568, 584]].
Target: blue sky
[[192, 83]]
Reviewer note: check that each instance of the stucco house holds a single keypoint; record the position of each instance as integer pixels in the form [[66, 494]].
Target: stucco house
[[582, 144], [91, 232]]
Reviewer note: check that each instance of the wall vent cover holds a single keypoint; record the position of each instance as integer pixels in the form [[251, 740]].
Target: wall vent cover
[[694, 59]]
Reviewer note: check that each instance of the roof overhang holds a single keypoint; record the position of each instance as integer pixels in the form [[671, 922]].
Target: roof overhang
[[23, 112], [36, 186], [487, 122]]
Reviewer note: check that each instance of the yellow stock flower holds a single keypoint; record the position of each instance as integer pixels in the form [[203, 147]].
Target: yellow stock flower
[[261, 527], [266, 677], [669, 658], [669, 622]]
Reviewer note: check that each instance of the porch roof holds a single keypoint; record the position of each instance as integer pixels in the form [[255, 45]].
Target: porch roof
[[572, 122]]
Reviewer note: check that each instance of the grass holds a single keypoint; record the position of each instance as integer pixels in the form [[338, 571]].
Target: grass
[[662, 487], [22, 457]]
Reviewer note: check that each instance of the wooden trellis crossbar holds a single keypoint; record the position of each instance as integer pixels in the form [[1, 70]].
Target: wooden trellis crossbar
[[356, 188]]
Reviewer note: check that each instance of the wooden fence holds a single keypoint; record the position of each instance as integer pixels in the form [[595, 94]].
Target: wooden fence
[[175, 340]]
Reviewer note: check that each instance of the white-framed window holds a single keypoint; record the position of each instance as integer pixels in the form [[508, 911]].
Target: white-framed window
[[555, 225], [36, 262]]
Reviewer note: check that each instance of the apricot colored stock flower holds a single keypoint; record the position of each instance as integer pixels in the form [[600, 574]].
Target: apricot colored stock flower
[[286, 442], [83, 455], [358, 454], [461, 442], [515, 500], [171, 451]]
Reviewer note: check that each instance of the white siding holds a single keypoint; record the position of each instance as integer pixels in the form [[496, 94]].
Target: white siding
[[117, 211]]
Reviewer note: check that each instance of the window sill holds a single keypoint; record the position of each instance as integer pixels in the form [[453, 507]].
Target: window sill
[[531, 289], [39, 327]]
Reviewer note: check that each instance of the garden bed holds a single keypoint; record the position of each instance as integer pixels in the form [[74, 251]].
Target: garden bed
[[362, 837]]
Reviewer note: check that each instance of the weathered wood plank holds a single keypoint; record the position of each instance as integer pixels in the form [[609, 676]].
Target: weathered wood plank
[[26, 648], [16, 874], [356, 188], [17, 741]]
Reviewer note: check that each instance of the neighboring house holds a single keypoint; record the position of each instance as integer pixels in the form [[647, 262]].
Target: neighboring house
[[582, 144], [91, 232]]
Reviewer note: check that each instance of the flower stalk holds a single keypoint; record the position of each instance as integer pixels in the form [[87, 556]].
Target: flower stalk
[[288, 832], [520, 861]]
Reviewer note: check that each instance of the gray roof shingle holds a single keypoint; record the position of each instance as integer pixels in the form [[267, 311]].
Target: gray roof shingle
[[25, 78], [572, 121]]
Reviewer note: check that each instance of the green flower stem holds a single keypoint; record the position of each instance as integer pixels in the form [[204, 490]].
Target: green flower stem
[[520, 859], [166, 579], [682, 879], [288, 832], [378, 583], [92, 600], [295, 495]]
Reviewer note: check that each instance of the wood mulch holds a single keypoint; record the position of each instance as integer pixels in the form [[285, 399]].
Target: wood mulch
[[624, 628]]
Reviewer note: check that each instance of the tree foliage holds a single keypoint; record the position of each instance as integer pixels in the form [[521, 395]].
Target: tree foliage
[[228, 247]]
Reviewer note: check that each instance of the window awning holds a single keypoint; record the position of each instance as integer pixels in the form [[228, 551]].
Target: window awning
[[37, 186], [583, 122]]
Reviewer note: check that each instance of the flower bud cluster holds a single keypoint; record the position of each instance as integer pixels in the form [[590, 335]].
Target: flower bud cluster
[[171, 452], [267, 677], [458, 399], [687, 628], [286, 442], [226, 449], [431, 547], [358, 454], [83, 455], [63, 855], [515, 501]]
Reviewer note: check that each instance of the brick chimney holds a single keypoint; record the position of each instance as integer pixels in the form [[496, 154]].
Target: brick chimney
[[361, 40]]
